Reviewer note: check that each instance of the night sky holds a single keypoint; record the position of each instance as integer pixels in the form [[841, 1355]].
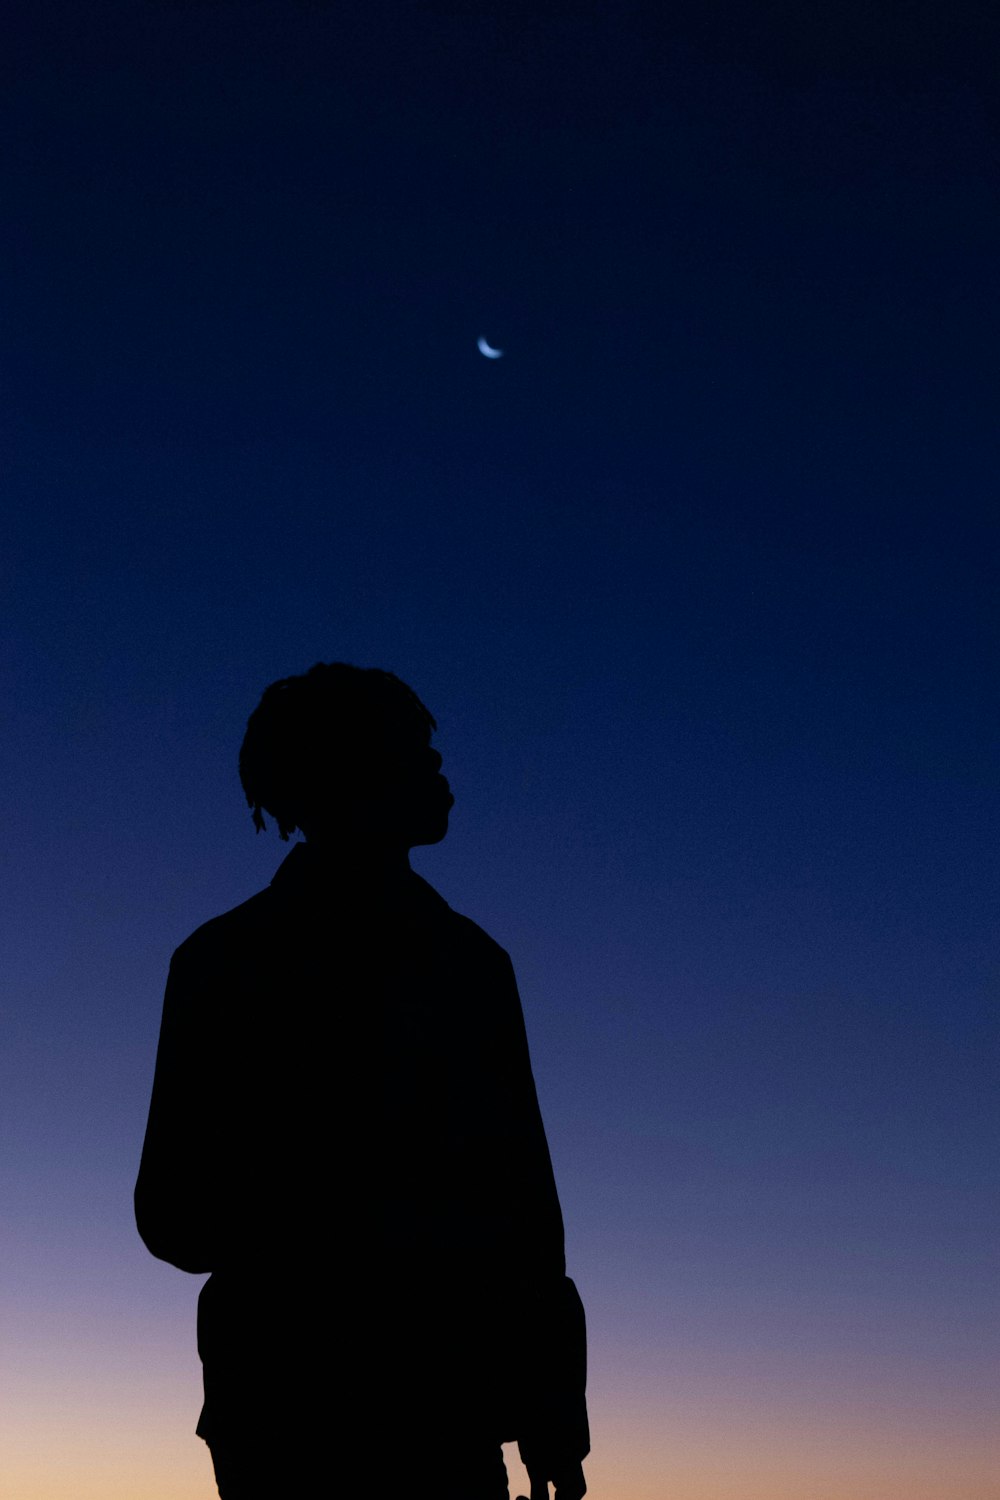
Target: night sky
[[699, 581]]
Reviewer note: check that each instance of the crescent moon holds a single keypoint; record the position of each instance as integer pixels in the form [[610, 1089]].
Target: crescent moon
[[488, 350]]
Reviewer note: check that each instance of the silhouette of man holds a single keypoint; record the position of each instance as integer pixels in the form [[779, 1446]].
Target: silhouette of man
[[344, 1131]]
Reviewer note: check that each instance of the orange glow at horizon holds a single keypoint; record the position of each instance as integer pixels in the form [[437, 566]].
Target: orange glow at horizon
[[122, 1439]]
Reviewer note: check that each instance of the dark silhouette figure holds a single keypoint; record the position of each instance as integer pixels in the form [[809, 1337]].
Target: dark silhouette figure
[[344, 1131]]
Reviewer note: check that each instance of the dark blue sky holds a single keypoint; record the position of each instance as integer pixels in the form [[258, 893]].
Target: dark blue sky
[[699, 581]]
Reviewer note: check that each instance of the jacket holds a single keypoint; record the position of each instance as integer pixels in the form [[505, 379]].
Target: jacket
[[344, 1131]]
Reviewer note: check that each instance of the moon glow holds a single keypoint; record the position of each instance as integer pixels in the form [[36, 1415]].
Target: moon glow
[[488, 350]]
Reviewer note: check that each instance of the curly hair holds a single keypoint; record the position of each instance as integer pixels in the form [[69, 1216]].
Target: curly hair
[[333, 717]]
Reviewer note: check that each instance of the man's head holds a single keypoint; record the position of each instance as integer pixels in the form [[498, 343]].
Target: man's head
[[344, 754]]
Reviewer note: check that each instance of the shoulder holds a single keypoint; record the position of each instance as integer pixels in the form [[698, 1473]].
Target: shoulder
[[480, 941], [467, 934], [227, 932]]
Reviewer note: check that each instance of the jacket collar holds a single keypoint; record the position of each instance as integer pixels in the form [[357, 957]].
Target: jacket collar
[[309, 871]]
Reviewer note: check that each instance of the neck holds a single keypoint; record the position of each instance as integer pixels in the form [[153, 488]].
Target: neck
[[360, 863]]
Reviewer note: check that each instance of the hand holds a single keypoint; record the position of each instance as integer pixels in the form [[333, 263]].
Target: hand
[[569, 1482]]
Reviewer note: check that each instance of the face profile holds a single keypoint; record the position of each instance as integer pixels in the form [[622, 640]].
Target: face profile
[[400, 801], [425, 799]]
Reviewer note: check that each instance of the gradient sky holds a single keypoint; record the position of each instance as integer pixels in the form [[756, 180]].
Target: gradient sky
[[699, 580]]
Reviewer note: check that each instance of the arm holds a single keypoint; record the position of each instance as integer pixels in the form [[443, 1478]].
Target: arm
[[176, 1198], [555, 1435], [538, 1255]]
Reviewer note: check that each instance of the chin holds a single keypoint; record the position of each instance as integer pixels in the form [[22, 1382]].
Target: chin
[[430, 823], [429, 835], [430, 830]]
